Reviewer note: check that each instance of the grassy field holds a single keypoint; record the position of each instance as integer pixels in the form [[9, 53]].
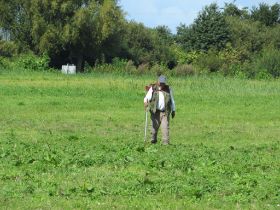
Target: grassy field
[[76, 142]]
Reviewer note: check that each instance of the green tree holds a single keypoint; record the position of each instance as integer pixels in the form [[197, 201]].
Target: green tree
[[148, 46], [68, 31], [15, 17], [76, 28], [183, 36], [139, 42], [209, 30], [230, 9], [268, 15], [165, 34], [269, 61], [247, 36], [272, 36]]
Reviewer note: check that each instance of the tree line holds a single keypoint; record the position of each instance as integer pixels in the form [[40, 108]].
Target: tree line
[[230, 40]]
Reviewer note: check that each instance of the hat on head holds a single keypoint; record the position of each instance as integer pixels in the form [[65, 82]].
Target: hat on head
[[162, 79]]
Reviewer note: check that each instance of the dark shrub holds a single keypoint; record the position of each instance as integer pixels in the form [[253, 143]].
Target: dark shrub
[[264, 65], [210, 62], [183, 70], [8, 49], [269, 61]]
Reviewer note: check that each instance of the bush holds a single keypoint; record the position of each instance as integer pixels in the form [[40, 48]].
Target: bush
[[263, 74], [231, 60], [4, 62], [180, 54], [119, 64], [210, 62], [103, 68], [8, 49], [192, 56], [143, 68], [269, 61], [183, 57], [184, 70], [158, 69], [239, 73], [130, 67], [33, 62], [264, 65]]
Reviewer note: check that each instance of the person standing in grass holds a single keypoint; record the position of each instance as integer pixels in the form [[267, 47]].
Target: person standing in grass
[[160, 102]]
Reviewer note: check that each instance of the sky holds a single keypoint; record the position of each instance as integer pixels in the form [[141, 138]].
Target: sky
[[173, 12]]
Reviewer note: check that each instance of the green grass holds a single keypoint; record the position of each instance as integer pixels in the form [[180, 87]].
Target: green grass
[[76, 142]]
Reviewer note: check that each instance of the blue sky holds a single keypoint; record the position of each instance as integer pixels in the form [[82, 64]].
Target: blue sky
[[173, 12]]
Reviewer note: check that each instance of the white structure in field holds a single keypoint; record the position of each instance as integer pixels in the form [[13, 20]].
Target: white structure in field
[[68, 69]]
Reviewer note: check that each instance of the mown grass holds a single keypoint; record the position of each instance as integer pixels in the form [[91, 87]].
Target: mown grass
[[76, 142]]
